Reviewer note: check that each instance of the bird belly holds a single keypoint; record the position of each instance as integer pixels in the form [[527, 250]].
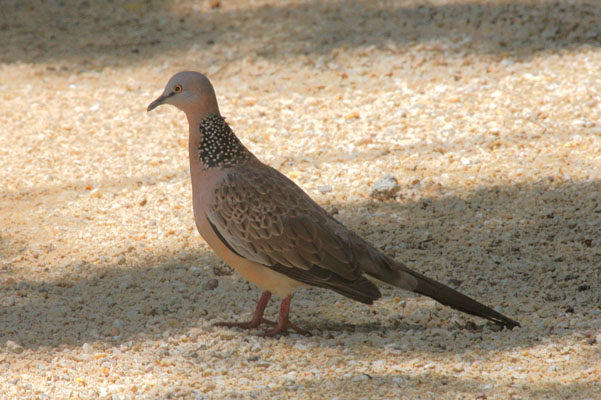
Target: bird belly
[[262, 276]]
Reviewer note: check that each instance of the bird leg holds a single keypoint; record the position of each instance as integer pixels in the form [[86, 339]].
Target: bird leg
[[257, 318], [284, 322]]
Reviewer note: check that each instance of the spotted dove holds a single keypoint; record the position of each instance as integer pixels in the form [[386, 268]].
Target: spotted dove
[[271, 232]]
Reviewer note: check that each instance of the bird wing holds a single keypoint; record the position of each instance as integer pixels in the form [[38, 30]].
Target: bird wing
[[265, 217]]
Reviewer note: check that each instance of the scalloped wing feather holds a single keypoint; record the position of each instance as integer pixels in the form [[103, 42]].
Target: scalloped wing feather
[[268, 219]]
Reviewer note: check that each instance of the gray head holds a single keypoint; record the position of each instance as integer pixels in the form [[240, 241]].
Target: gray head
[[191, 92]]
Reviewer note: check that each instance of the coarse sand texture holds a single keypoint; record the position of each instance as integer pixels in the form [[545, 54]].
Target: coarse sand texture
[[460, 137]]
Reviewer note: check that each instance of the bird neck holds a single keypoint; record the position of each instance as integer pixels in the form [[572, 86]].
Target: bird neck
[[212, 143]]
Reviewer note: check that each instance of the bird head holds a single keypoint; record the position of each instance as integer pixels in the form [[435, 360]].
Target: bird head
[[191, 92]]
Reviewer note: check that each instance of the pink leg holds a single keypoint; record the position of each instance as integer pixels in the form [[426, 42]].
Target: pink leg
[[257, 318], [284, 322]]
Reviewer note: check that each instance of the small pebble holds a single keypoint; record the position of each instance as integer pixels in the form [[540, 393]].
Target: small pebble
[[211, 284], [87, 348], [13, 347], [455, 282], [385, 189], [299, 346], [324, 189]]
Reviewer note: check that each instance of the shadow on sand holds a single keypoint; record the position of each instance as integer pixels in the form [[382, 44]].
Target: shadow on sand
[[549, 256], [91, 35]]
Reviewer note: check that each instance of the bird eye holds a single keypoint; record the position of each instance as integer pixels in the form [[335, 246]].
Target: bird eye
[[177, 88]]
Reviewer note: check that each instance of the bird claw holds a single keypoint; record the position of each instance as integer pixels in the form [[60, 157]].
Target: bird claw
[[281, 327]]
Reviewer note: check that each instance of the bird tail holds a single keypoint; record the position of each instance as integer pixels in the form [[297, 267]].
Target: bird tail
[[452, 298]]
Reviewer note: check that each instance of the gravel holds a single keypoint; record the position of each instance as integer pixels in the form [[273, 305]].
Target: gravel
[[211, 284], [385, 188], [486, 113]]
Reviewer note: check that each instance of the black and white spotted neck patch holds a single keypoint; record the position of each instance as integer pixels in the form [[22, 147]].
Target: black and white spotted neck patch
[[219, 146]]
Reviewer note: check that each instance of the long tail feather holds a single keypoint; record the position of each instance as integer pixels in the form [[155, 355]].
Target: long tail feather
[[452, 298]]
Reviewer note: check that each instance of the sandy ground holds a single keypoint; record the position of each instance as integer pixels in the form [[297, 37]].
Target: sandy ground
[[486, 112]]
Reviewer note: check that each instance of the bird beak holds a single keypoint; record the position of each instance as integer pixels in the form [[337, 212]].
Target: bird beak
[[157, 102]]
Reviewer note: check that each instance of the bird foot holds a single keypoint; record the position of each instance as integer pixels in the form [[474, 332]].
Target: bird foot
[[282, 328], [253, 323]]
